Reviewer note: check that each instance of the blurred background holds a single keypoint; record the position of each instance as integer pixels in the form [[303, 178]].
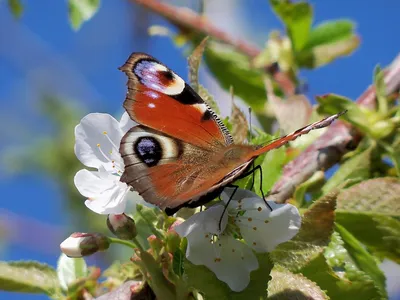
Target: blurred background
[[51, 76]]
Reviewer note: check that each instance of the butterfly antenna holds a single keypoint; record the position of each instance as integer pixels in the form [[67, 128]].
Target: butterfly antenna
[[276, 143]]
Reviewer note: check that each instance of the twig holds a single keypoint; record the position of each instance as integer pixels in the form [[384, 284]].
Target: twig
[[329, 148], [187, 20]]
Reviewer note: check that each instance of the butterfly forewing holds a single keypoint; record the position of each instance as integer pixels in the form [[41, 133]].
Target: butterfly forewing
[[160, 99]]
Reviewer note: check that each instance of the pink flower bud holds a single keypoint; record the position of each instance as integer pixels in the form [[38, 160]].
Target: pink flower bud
[[82, 244], [122, 226]]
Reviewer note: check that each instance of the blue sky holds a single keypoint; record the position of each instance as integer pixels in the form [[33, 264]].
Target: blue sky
[[41, 52]]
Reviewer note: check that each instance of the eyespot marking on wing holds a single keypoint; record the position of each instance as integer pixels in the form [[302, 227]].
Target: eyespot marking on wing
[[158, 77], [148, 150]]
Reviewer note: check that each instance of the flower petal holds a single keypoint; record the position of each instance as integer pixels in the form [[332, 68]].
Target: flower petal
[[126, 123], [105, 193], [97, 139], [239, 195], [230, 260], [112, 201], [205, 221], [262, 229]]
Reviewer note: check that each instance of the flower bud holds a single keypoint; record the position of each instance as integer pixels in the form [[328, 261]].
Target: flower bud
[[122, 226], [83, 244], [155, 243]]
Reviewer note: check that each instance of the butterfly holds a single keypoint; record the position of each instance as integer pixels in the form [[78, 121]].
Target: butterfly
[[181, 154]]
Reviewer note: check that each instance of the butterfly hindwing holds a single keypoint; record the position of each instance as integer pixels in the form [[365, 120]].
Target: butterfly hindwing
[[160, 99], [166, 171]]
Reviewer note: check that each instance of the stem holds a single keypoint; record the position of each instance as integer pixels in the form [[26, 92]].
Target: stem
[[129, 244]]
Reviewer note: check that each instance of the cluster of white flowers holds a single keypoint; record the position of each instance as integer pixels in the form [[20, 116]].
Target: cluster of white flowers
[[226, 247]]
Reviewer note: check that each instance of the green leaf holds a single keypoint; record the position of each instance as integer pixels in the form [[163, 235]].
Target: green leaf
[[357, 167], [70, 269], [314, 235], [380, 233], [286, 285], [379, 195], [362, 258], [331, 104], [28, 277], [16, 8], [323, 54], [177, 263], [297, 18], [329, 32], [231, 68], [81, 11], [358, 286], [159, 284], [145, 221]]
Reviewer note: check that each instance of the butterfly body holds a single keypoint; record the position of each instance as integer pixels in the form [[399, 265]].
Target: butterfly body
[[181, 154]]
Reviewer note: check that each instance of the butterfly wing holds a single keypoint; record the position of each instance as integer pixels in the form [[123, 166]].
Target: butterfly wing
[[166, 171], [160, 99]]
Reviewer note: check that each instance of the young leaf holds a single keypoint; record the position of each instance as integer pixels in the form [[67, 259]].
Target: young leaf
[[194, 63], [159, 284], [297, 18], [231, 68], [329, 32], [314, 235], [81, 11], [380, 90], [28, 277], [177, 263], [69, 270], [324, 54], [16, 8], [362, 258], [331, 104], [380, 233], [378, 195], [240, 126], [286, 285]]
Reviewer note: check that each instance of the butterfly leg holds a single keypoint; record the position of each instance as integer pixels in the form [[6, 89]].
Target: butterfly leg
[[226, 205], [252, 171]]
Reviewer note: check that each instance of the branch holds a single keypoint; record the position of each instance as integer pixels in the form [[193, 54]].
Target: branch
[[329, 148], [187, 20]]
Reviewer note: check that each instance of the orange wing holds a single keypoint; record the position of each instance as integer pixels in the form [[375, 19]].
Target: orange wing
[[160, 99]]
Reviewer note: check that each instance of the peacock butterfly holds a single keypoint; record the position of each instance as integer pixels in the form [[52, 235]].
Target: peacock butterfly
[[181, 154]]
